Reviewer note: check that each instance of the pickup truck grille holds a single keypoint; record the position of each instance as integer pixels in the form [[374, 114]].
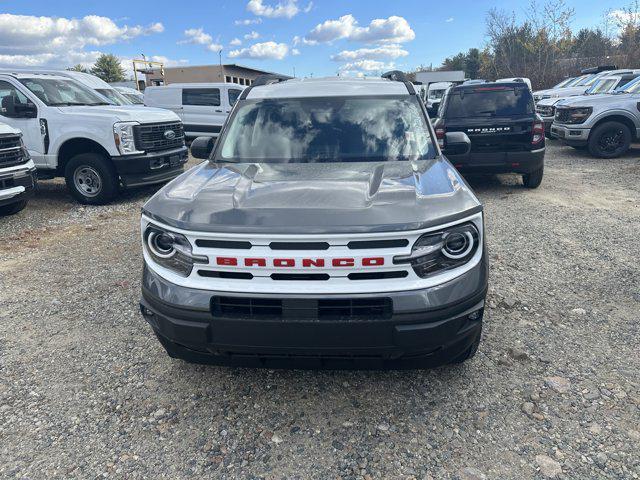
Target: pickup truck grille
[[11, 152], [153, 137], [546, 110], [562, 115]]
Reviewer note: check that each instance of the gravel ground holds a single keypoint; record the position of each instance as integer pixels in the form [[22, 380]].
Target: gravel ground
[[86, 391]]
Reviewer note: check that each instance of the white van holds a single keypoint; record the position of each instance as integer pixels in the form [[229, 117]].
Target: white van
[[203, 107]]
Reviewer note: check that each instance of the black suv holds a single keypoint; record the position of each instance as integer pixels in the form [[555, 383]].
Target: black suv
[[500, 120]]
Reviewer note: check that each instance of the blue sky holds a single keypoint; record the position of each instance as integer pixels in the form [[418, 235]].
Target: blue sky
[[322, 37]]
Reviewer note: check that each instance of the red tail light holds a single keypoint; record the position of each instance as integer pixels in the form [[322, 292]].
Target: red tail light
[[537, 135], [440, 133]]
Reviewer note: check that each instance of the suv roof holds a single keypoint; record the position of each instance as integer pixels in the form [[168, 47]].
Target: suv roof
[[328, 87], [20, 75]]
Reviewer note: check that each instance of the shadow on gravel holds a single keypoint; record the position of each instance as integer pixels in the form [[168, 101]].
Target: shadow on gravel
[[54, 193]]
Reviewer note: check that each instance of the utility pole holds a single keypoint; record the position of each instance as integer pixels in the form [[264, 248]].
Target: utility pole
[[221, 70]]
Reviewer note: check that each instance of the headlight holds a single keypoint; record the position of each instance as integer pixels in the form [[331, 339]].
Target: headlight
[[573, 115], [123, 136], [25, 152], [171, 250], [449, 248]]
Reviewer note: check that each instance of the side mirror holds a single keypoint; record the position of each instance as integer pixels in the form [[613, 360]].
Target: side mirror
[[27, 110], [456, 143], [202, 147]]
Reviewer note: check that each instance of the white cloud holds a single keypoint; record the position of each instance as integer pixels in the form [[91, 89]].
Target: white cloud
[[235, 42], [362, 67], [248, 21], [449, 20], [283, 9], [266, 50], [381, 30], [295, 51], [376, 53], [625, 17], [58, 42], [169, 62], [251, 36], [197, 36]]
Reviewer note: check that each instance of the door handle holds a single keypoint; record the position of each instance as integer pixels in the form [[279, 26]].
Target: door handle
[[219, 111]]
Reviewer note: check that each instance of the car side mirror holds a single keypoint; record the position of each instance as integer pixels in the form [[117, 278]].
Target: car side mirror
[[456, 143], [202, 147], [13, 109], [27, 110]]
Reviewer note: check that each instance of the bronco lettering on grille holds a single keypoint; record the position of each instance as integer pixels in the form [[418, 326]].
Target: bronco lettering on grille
[[303, 262]]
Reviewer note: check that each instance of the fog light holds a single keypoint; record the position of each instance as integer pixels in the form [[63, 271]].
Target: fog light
[[475, 315]]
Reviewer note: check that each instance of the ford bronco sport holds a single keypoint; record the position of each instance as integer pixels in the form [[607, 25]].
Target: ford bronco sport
[[325, 230]]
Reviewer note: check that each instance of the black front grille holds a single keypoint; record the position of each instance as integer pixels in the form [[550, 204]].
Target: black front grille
[[151, 137], [562, 115], [11, 152], [296, 309]]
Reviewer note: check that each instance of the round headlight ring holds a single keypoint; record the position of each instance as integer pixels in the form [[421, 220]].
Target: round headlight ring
[[457, 245], [157, 243]]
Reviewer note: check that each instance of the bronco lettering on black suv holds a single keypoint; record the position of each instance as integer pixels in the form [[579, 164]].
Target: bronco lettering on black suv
[[326, 230]]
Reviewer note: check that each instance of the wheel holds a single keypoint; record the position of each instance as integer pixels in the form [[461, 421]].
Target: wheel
[[13, 208], [609, 140], [470, 352], [91, 179], [533, 179]]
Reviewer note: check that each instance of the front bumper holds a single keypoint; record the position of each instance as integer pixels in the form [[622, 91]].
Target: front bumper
[[151, 167], [575, 135], [499, 162], [427, 328], [17, 183]]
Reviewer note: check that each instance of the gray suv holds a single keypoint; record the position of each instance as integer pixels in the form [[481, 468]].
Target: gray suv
[[605, 124], [326, 229]]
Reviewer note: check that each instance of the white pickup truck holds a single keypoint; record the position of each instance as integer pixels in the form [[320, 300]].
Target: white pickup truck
[[17, 171], [72, 132]]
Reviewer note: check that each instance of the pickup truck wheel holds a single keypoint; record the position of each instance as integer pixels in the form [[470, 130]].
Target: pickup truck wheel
[[533, 179], [91, 179], [13, 208], [609, 140]]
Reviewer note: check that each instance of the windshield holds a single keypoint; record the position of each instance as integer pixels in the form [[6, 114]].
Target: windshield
[[133, 98], [334, 129], [603, 85], [632, 87], [578, 81], [57, 92], [563, 83], [436, 94], [489, 102], [115, 97]]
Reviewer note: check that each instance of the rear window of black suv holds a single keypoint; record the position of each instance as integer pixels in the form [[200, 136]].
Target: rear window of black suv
[[489, 101]]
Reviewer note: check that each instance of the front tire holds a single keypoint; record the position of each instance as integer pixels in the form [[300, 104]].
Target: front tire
[[609, 140], [13, 208], [470, 352], [91, 178], [533, 179]]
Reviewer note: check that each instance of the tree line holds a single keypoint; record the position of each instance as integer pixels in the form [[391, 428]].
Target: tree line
[[544, 47], [107, 67]]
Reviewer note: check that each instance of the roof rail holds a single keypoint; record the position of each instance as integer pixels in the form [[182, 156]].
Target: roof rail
[[398, 76], [266, 80]]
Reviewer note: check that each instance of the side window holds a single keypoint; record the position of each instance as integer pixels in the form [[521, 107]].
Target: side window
[[208, 97], [234, 93], [12, 101]]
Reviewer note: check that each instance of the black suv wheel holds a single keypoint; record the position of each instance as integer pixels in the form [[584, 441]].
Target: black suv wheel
[[609, 140], [533, 179]]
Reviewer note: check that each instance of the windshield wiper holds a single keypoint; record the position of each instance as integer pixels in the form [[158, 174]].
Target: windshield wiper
[[97, 103], [66, 104]]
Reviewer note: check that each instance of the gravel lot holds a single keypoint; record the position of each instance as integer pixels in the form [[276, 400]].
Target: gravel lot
[[86, 390]]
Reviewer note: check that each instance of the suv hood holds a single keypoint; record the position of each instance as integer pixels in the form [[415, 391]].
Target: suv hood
[[305, 198], [124, 113], [562, 92], [8, 130]]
